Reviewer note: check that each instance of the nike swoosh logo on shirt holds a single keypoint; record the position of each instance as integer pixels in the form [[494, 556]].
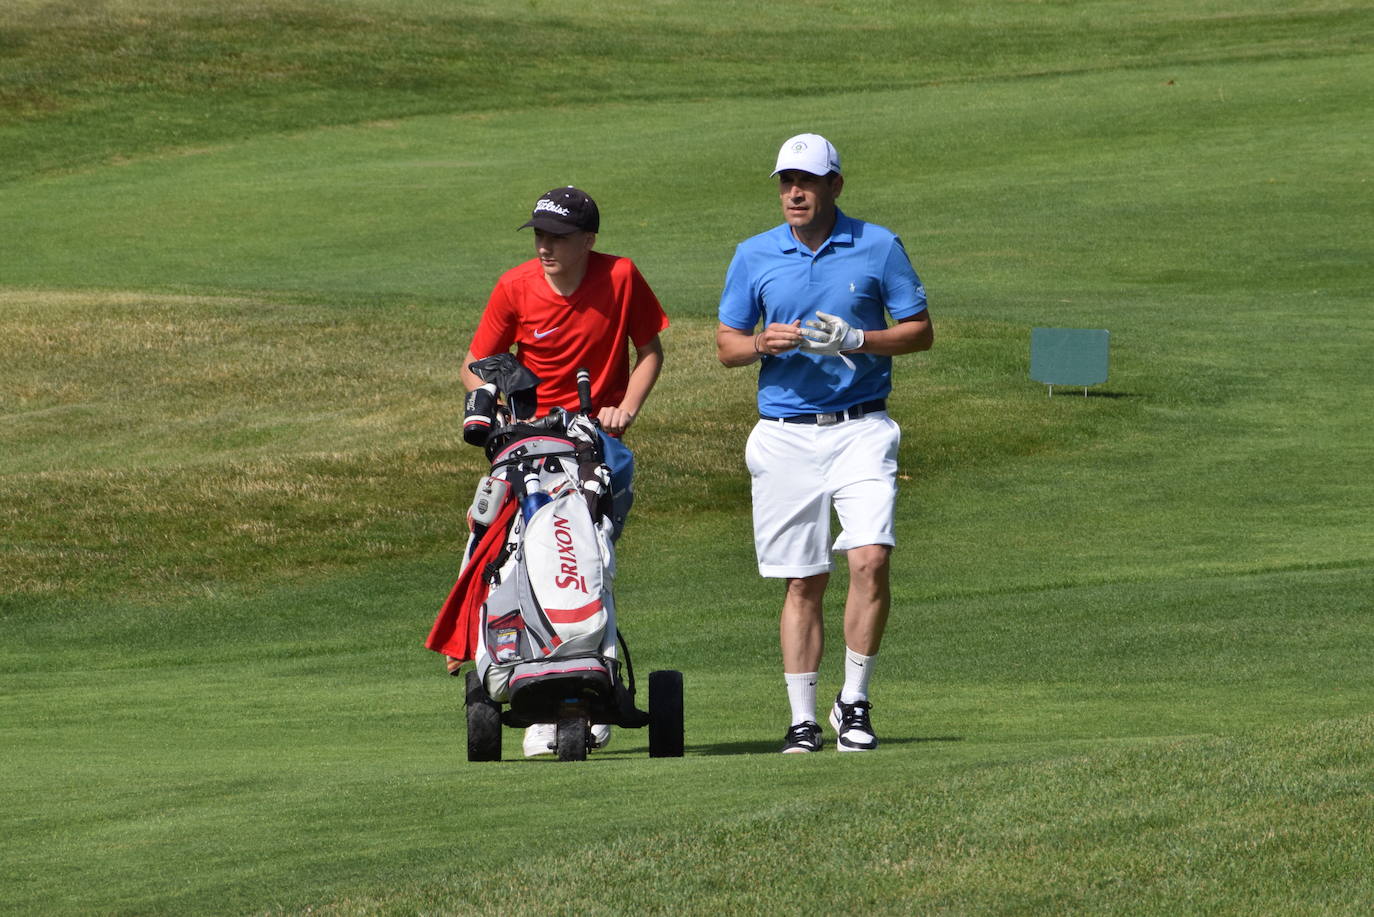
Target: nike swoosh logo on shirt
[[543, 334]]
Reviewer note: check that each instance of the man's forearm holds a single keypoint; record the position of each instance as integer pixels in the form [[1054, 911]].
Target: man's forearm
[[908, 336], [736, 348]]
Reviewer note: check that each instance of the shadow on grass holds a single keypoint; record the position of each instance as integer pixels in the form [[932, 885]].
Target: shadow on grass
[[770, 747], [1069, 391]]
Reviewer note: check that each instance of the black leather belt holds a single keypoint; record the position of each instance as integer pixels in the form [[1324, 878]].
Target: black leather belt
[[834, 417]]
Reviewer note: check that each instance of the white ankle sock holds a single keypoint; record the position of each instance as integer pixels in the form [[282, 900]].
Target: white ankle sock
[[801, 694], [857, 668]]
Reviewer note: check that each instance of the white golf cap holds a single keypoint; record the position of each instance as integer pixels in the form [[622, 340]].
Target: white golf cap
[[808, 153]]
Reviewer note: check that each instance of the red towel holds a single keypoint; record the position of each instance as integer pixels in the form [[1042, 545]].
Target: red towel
[[455, 629]]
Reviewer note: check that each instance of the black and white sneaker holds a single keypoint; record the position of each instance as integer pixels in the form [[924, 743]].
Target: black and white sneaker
[[852, 729], [802, 737]]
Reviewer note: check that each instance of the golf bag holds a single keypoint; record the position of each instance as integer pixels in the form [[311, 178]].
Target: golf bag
[[533, 606], [550, 611]]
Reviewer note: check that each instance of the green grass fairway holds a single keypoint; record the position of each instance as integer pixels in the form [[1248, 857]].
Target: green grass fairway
[[243, 248]]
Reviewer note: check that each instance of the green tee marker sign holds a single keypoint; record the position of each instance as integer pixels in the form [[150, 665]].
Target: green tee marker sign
[[1069, 356]]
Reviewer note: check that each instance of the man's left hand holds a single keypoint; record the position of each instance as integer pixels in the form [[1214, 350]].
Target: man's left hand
[[831, 335]]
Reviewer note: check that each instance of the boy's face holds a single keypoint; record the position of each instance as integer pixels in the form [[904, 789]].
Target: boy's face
[[563, 255]]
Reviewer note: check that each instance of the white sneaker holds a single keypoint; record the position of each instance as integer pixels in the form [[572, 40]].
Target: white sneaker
[[853, 731], [802, 738], [601, 735], [540, 739]]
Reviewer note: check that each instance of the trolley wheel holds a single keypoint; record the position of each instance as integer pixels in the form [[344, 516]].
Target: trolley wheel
[[573, 736], [484, 722], [665, 714]]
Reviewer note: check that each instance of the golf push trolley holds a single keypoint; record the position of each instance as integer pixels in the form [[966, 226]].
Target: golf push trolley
[[533, 606]]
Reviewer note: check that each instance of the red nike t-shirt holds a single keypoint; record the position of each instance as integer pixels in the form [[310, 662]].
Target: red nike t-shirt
[[555, 335]]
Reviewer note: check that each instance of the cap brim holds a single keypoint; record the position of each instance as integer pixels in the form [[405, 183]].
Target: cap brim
[[550, 224]]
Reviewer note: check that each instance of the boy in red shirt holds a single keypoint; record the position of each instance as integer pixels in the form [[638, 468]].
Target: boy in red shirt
[[572, 307], [569, 308]]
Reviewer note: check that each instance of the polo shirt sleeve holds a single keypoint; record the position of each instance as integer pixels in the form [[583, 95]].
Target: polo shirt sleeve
[[646, 315], [903, 293], [497, 327], [739, 307]]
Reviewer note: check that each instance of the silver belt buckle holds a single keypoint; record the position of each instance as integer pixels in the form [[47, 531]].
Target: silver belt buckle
[[829, 420]]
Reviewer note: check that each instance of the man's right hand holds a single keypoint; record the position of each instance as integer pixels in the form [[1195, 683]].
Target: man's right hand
[[779, 338], [743, 346]]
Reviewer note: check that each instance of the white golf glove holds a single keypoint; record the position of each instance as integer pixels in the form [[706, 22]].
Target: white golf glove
[[582, 428], [831, 336]]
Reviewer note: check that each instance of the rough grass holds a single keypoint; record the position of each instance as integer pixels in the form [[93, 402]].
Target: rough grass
[[163, 445]]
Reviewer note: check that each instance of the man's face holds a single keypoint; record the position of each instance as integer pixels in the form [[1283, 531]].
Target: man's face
[[808, 200], [563, 255]]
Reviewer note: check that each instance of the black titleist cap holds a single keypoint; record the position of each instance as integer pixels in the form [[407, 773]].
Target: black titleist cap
[[565, 210]]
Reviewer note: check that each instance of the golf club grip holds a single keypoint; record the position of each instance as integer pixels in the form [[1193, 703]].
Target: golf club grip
[[584, 390]]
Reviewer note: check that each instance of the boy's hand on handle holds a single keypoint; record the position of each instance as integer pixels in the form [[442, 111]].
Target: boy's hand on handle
[[615, 421]]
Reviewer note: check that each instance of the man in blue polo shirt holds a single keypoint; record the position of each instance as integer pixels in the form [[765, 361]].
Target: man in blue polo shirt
[[810, 300]]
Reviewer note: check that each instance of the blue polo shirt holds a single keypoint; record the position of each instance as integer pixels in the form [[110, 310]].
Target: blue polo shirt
[[862, 274]]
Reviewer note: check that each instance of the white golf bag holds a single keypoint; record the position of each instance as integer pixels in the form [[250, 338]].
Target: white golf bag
[[547, 649], [550, 611]]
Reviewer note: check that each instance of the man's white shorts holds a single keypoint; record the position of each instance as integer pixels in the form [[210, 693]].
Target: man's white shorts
[[801, 470]]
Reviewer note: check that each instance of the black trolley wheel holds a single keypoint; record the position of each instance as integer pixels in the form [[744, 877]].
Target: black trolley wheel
[[484, 722], [665, 714], [573, 737]]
